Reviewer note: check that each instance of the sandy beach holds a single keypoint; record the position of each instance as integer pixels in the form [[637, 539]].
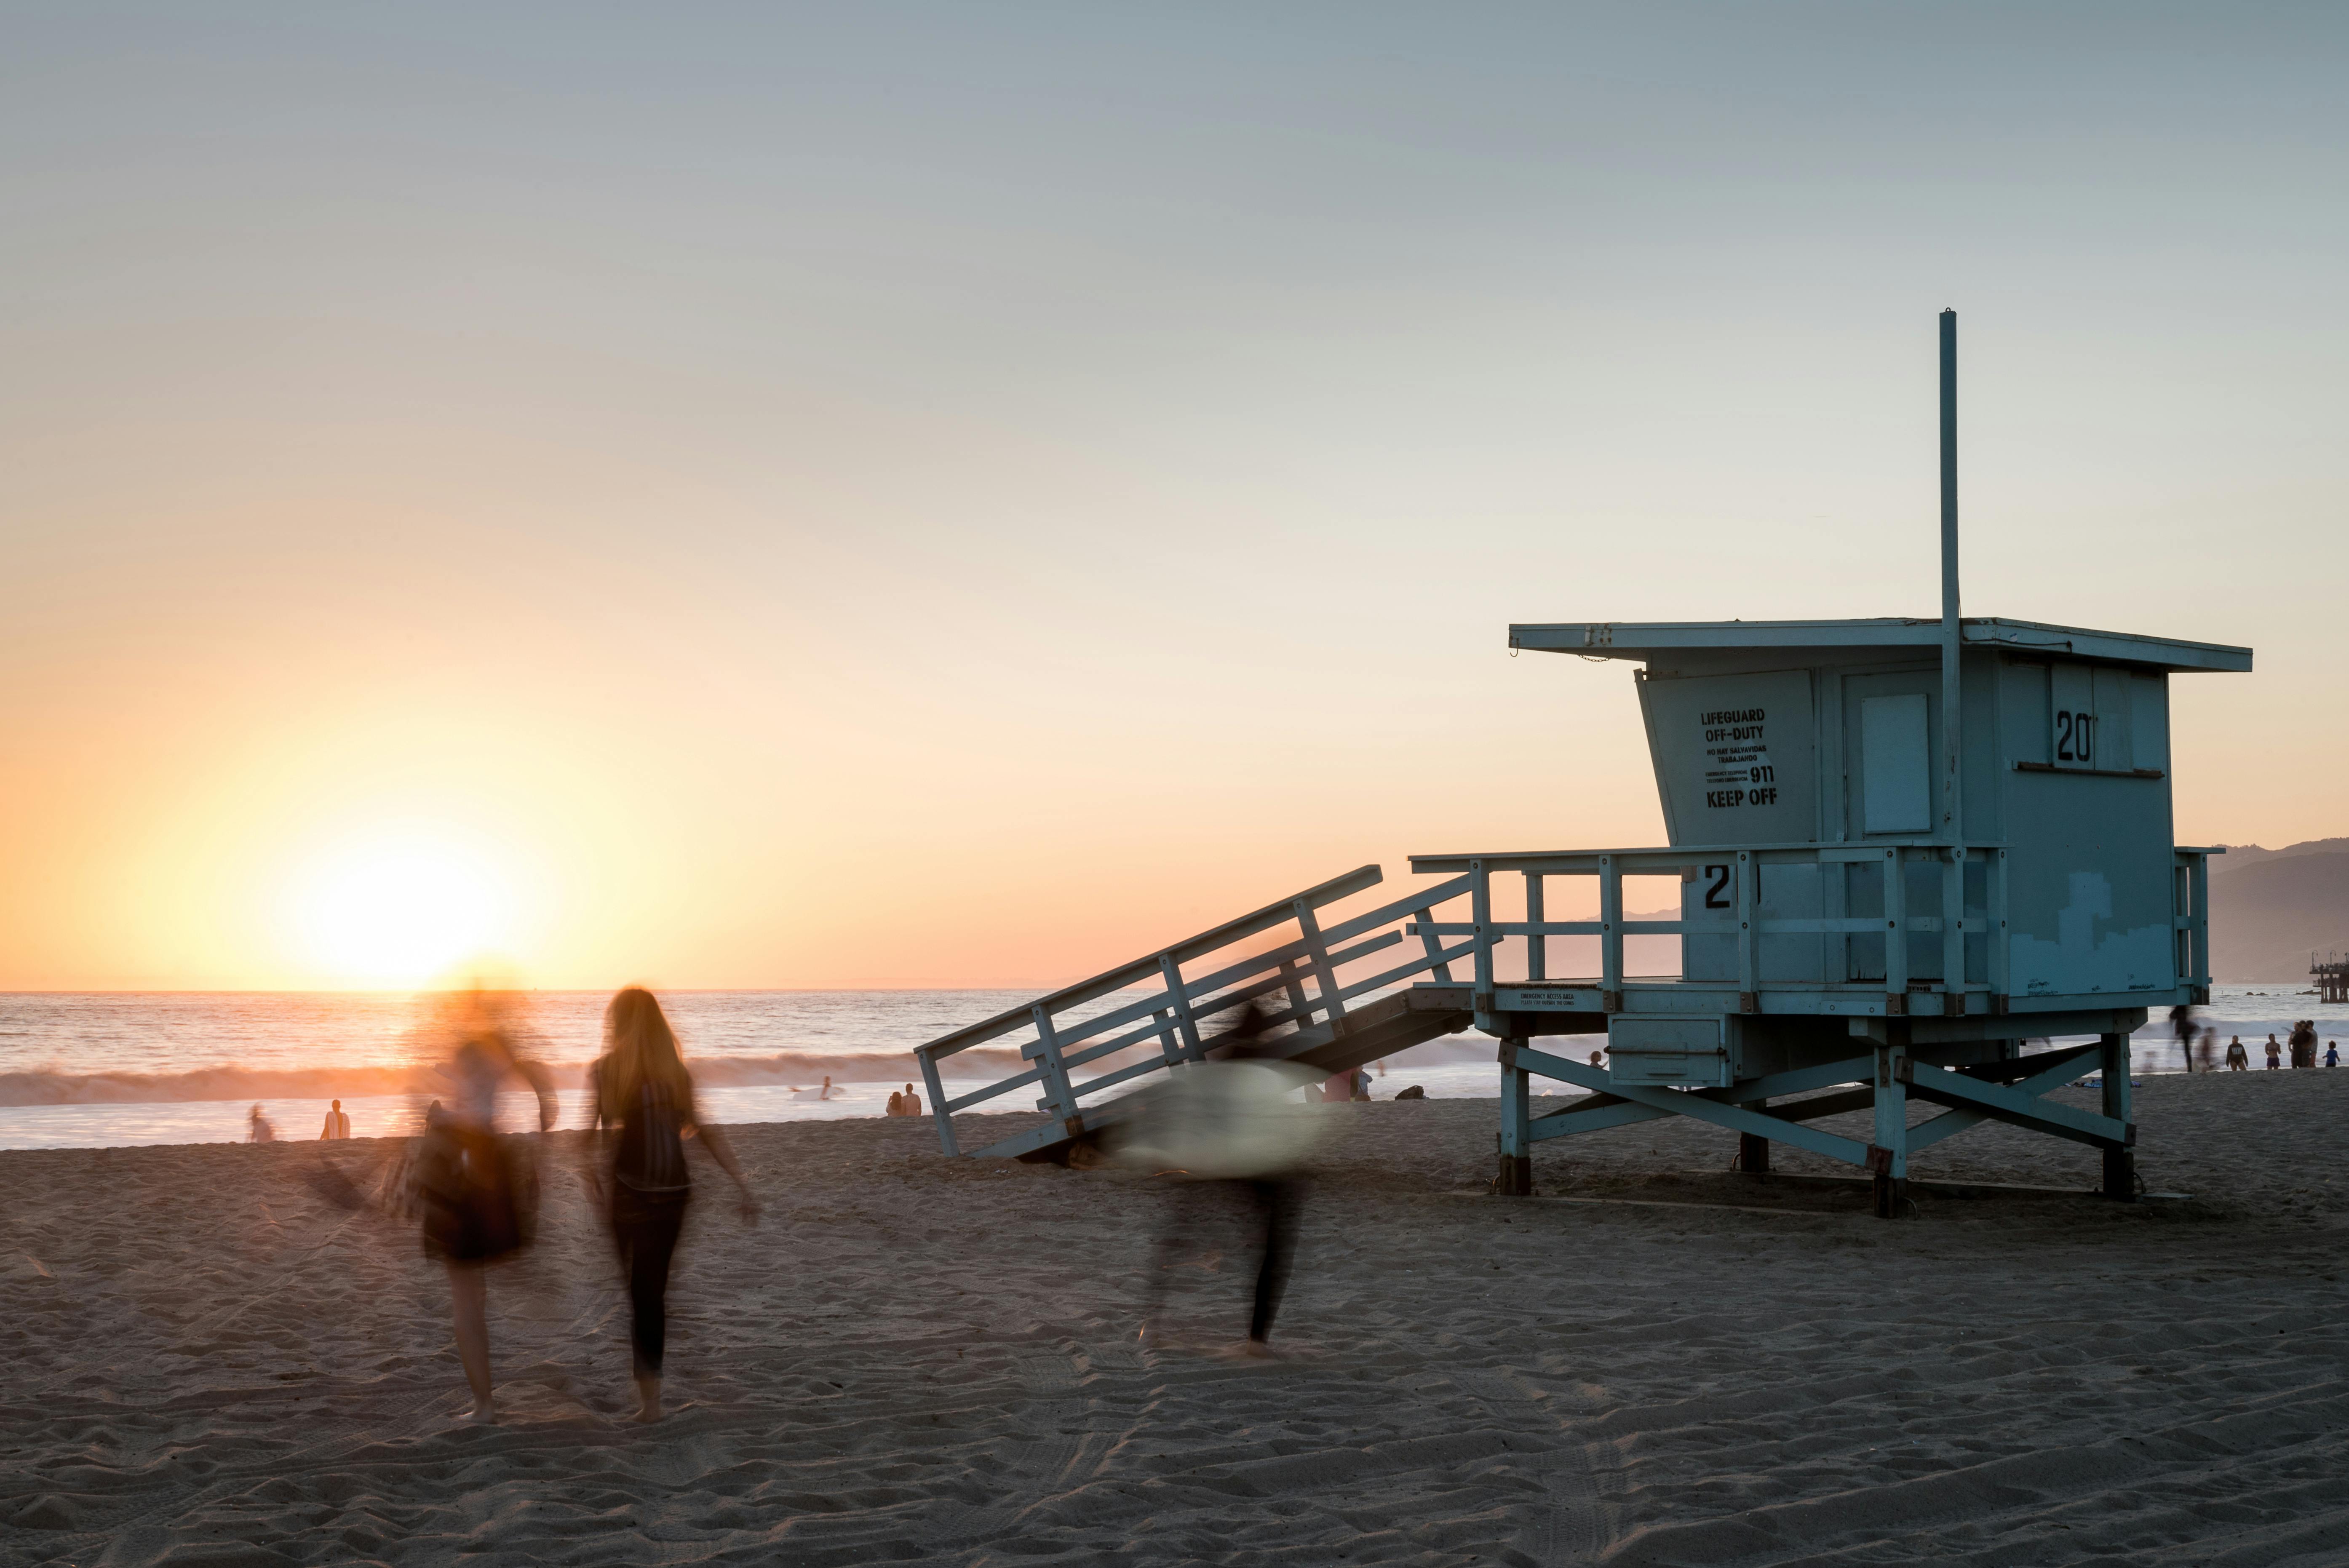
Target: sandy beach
[[924, 1361]]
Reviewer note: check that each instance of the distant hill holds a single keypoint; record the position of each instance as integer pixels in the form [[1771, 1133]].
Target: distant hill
[[2270, 907]]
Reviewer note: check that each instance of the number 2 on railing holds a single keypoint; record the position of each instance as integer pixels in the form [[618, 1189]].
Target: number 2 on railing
[[1716, 891]]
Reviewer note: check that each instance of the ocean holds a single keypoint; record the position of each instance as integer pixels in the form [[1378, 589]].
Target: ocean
[[104, 1069]]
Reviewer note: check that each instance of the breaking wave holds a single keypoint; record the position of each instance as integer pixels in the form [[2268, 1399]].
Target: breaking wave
[[55, 1085]]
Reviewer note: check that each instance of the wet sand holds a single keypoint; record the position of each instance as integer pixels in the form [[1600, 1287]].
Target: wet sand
[[924, 1361]]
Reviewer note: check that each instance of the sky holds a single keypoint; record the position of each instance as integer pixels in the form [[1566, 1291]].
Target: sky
[[906, 495]]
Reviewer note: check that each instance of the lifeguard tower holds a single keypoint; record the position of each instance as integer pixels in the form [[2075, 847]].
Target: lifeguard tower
[[1901, 847]]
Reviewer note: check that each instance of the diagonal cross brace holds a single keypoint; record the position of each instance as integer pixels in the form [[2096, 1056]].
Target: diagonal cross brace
[[1673, 1102], [2064, 1069], [1591, 1118], [2015, 1104]]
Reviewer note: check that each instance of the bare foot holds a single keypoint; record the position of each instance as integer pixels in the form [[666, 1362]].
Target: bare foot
[[484, 1413], [649, 1400]]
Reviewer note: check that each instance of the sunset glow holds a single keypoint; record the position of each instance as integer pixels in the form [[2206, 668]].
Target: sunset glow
[[399, 908]]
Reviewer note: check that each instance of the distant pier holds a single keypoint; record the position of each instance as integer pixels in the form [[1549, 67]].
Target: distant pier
[[2332, 976]]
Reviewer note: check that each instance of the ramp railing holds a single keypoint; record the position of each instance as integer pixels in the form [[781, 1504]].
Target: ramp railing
[[1298, 970]]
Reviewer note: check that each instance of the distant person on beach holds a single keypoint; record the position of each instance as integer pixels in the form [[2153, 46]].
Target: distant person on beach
[[257, 1127], [644, 1114], [2209, 1051], [2332, 1053], [2275, 1054], [911, 1102], [1228, 1133], [2182, 1025], [2238, 1059], [896, 1106], [826, 1092], [477, 1192], [2303, 1042], [337, 1124]]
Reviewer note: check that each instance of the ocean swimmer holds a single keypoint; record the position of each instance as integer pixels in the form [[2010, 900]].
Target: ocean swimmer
[[644, 1114], [477, 1192]]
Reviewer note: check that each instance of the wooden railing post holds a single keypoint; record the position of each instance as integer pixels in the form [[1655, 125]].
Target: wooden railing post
[[1480, 917], [1953, 932], [1896, 932], [1749, 916], [1425, 916], [1293, 982], [1318, 951], [939, 1113], [2200, 881], [1536, 946], [1181, 1006], [1994, 880], [1048, 1057], [1610, 936]]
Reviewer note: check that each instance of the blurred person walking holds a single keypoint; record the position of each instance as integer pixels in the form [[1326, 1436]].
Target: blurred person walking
[[477, 1192], [1227, 1133], [644, 1114], [257, 1129]]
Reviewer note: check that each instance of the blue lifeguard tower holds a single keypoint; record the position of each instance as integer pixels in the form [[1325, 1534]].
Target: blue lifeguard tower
[[1901, 847]]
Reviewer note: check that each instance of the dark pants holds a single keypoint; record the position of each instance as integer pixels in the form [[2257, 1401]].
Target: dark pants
[[645, 1226], [1270, 1205]]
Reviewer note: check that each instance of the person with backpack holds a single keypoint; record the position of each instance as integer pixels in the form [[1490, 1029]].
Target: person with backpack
[[643, 1114]]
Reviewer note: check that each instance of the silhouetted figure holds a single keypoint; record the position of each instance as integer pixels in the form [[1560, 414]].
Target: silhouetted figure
[[1227, 1131], [2238, 1059], [477, 1192], [911, 1102], [337, 1124], [257, 1127], [2275, 1054], [2209, 1051], [2332, 1053], [2182, 1025], [644, 1114], [2303, 1042], [896, 1106]]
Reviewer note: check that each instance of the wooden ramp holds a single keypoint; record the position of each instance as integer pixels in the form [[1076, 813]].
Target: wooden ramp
[[1335, 990]]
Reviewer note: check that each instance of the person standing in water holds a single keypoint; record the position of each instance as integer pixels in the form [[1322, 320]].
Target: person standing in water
[[644, 1112], [337, 1124], [478, 1191]]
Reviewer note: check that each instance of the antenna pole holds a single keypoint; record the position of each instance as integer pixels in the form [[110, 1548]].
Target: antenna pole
[[1951, 641]]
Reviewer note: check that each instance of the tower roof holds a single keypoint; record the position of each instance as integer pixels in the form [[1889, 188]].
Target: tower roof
[[1839, 640]]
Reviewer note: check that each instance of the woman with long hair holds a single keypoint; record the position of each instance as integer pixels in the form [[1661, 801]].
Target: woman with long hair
[[644, 1114], [475, 1191]]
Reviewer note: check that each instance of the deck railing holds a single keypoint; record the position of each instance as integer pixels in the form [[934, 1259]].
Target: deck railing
[[1301, 974], [1732, 874]]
